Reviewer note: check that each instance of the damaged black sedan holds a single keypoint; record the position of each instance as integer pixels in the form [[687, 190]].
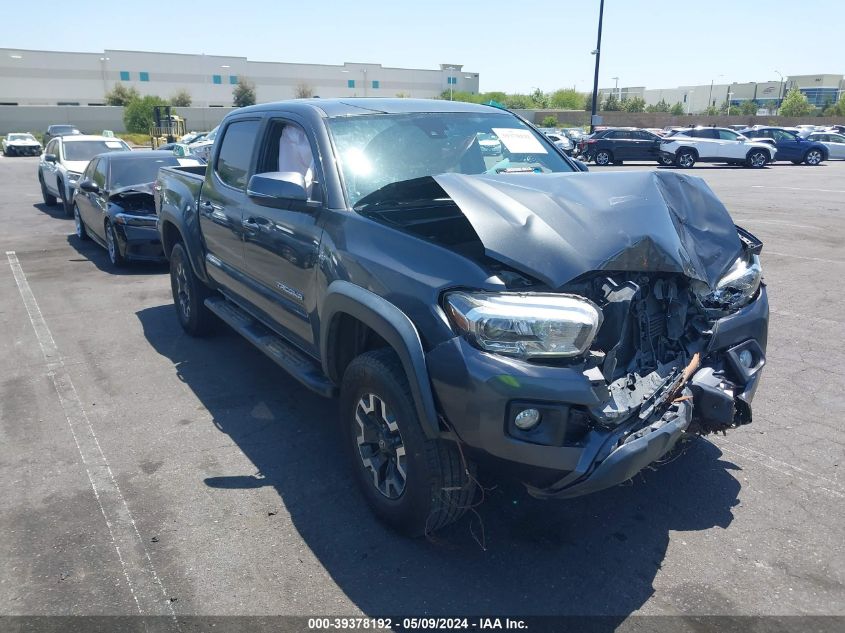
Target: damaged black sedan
[[469, 305]]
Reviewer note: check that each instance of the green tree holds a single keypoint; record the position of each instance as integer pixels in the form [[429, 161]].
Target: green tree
[[660, 106], [120, 95], [244, 93], [181, 99], [566, 99], [539, 99], [836, 109], [711, 110], [612, 103], [634, 104], [795, 104], [138, 113], [748, 107], [588, 102], [677, 109], [549, 121], [518, 102]]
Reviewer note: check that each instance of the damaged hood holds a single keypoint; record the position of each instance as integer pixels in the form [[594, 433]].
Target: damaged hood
[[556, 227], [146, 188]]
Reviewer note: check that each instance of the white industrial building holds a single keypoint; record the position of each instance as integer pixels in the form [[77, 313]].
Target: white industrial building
[[820, 91], [32, 77]]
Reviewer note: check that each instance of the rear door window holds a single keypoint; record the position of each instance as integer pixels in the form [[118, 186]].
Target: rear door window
[[235, 157]]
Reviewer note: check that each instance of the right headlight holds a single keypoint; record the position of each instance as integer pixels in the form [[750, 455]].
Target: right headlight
[[736, 289], [525, 325]]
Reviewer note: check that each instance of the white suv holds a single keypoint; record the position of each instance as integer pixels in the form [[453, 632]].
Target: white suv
[[687, 146], [63, 161]]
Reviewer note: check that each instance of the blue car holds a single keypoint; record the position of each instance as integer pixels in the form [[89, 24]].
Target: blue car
[[790, 146]]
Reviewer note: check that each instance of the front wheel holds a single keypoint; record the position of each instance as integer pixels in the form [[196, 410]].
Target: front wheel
[[67, 205], [81, 233], [49, 199], [666, 161], [757, 158], [189, 294], [115, 256], [603, 158], [813, 157], [685, 159], [414, 484]]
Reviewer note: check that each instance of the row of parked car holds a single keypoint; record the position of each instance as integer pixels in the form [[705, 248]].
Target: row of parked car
[[755, 147]]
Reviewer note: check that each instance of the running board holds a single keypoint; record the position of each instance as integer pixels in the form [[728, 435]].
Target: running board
[[281, 352]]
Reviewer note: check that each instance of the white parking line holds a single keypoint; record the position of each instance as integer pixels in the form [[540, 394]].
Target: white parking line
[[812, 259], [144, 584], [798, 189]]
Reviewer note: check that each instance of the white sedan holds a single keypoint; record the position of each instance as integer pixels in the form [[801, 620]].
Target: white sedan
[[835, 143], [21, 144]]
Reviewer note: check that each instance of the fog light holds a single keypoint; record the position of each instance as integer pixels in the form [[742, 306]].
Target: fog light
[[746, 358], [527, 419]]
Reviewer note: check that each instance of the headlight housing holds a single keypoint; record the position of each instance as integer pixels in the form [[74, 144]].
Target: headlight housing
[[736, 289], [73, 176], [525, 325]]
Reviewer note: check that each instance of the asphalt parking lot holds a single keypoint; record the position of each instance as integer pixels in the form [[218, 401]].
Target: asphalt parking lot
[[147, 472]]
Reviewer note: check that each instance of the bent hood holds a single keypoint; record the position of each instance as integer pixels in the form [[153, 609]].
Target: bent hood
[[556, 227]]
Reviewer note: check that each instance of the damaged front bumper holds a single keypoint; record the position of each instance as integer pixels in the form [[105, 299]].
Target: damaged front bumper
[[480, 392]]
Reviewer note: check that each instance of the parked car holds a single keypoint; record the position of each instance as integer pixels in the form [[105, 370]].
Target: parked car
[[562, 141], [790, 145], [685, 147], [56, 131], [63, 161], [835, 143], [490, 144], [114, 206], [574, 133], [193, 137], [615, 146], [574, 325], [202, 148], [21, 144]]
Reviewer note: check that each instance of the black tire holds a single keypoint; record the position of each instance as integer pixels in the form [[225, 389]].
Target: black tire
[[665, 161], [81, 231], [113, 247], [67, 205], [603, 158], [189, 294], [436, 489], [757, 158], [9, 152], [813, 157], [685, 158], [49, 199]]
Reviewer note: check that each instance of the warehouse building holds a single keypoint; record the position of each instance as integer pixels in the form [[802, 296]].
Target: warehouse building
[[820, 90], [31, 77]]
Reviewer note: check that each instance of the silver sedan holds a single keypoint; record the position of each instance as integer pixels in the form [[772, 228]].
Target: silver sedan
[[835, 143]]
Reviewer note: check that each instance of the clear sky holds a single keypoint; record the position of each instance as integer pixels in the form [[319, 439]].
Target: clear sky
[[515, 46]]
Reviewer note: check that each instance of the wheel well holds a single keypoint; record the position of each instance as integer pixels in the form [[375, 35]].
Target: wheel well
[[758, 149], [692, 150], [169, 237], [348, 337]]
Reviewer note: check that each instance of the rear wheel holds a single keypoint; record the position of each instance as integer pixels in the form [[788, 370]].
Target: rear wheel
[[603, 157], [67, 205], [757, 158], [81, 233], [666, 161], [813, 157], [685, 158], [414, 484], [189, 294], [49, 200]]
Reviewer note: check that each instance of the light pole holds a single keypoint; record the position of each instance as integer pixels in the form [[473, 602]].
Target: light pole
[[616, 88], [597, 53], [689, 102], [730, 94], [780, 93], [103, 61]]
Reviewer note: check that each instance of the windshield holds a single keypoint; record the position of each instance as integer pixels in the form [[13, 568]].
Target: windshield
[[380, 149], [63, 129], [21, 137], [125, 173], [86, 150]]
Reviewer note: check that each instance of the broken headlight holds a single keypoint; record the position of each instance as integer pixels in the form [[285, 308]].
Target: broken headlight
[[525, 325], [737, 288]]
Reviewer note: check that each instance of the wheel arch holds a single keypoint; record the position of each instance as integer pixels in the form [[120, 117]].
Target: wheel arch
[[347, 305], [171, 234], [687, 148]]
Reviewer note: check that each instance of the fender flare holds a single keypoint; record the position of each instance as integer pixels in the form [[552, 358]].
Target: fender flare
[[189, 239], [393, 326]]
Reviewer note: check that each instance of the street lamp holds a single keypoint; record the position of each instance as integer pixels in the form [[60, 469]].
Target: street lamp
[[780, 93], [730, 94], [689, 101], [616, 88], [597, 53]]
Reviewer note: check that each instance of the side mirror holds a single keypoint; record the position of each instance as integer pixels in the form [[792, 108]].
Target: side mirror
[[741, 138], [89, 185], [50, 158], [278, 189]]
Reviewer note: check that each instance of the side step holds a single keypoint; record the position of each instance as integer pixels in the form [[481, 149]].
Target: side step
[[282, 353]]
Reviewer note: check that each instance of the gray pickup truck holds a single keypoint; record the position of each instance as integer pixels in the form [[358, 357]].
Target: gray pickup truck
[[468, 305]]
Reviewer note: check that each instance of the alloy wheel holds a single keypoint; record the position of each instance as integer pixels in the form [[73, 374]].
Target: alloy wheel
[[814, 157], [686, 160], [110, 244], [602, 158], [183, 290], [757, 159], [380, 445], [78, 222]]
